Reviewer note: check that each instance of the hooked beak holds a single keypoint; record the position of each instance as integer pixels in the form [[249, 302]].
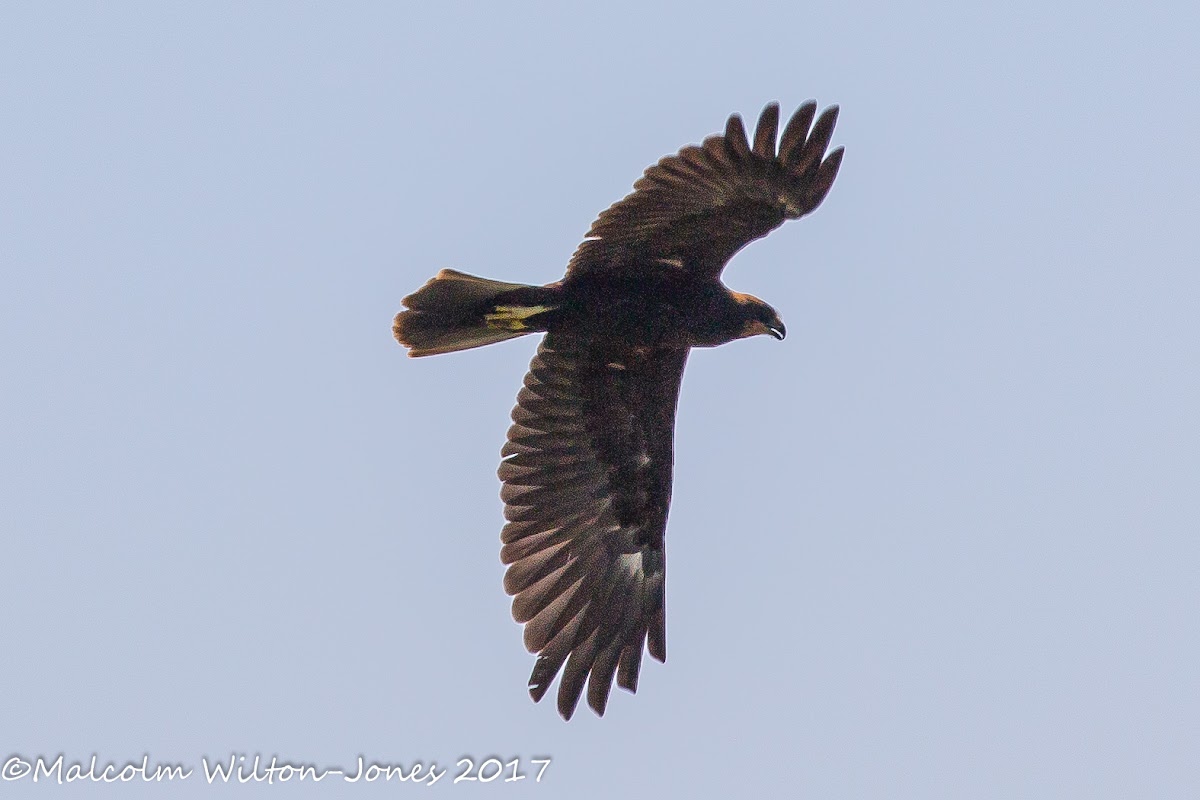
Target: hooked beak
[[755, 327]]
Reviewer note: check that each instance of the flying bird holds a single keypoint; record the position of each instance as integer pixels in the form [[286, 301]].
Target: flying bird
[[586, 470]]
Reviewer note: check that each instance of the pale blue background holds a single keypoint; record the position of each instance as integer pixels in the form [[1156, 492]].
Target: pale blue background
[[940, 543]]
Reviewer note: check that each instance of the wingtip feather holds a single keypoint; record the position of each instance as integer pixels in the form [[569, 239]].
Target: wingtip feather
[[766, 131]]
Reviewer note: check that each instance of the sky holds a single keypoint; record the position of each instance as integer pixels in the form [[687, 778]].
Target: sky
[[940, 543]]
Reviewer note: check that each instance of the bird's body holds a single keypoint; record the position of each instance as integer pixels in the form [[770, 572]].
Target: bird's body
[[642, 305], [588, 463]]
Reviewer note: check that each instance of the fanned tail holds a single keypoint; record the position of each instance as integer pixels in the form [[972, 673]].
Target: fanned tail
[[457, 311]]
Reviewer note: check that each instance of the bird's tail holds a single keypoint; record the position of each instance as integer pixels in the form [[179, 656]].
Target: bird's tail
[[456, 311]]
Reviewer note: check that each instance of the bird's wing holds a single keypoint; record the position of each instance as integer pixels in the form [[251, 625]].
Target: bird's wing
[[587, 483], [697, 208]]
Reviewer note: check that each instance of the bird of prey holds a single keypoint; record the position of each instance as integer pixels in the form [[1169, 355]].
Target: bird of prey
[[586, 470]]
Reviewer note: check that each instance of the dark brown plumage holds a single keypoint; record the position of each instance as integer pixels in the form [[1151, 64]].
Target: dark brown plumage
[[587, 467]]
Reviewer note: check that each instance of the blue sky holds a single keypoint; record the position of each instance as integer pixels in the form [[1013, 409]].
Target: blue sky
[[942, 542]]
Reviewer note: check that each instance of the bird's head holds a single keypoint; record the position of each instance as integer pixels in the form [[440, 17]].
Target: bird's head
[[758, 317]]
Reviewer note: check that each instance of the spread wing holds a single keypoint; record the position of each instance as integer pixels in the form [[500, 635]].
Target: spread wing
[[587, 483], [708, 201]]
